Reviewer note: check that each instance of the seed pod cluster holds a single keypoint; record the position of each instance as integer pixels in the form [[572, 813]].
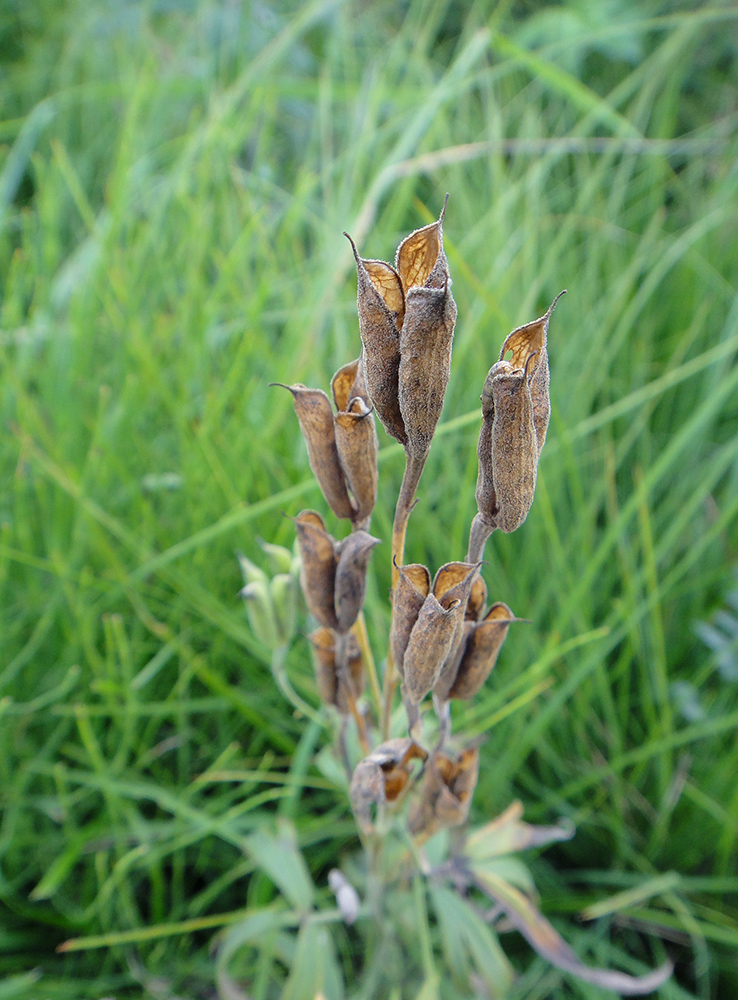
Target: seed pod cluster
[[342, 448], [382, 776], [446, 793], [477, 654], [428, 625], [406, 320], [515, 415]]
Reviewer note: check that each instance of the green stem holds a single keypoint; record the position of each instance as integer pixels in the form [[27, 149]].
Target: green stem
[[279, 672]]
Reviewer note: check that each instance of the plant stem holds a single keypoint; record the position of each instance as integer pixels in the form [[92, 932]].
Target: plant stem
[[359, 630], [279, 672], [344, 679], [405, 503], [478, 535]]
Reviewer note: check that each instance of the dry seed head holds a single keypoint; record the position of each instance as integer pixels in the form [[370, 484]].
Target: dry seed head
[[446, 794], [482, 646], [453, 584], [318, 567], [382, 776], [356, 438], [406, 319], [315, 415], [427, 627], [515, 413], [353, 560], [411, 590], [381, 308]]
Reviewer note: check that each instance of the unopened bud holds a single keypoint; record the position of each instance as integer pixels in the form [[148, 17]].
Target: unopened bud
[[347, 897], [282, 590], [280, 558], [260, 611]]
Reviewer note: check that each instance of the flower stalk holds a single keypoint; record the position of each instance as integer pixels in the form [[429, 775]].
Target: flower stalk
[[444, 639]]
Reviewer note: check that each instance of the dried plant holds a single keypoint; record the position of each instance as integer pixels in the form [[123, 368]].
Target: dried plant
[[415, 783]]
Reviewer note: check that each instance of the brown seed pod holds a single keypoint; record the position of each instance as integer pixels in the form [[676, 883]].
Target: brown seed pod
[[514, 446], [523, 342], [428, 647], [381, 307], [452, 586], [336, 682], [447, 790], [350, 582], [477, 600], [406, 319], [318, 567], [427, 333], [411, 590], [484, 640], [356, 439], [382, 776], [315, 415], [515, 413]]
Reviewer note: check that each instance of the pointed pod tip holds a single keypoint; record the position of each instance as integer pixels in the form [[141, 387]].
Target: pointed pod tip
[[353, 246], [282, 385], [553, 304], [443, 210]]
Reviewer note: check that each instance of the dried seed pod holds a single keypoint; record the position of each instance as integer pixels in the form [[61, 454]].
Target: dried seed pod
[[524, 342], [515, 413], [381, 307], [315, 415], [356, 438], [477, 600], [318, 568], [452, 586], [428, 647], [514, 455], [381, 776], [350, 585], [334, 681], [427, 334], [483, 643], [406, 319], [411, 590], [448, 787]]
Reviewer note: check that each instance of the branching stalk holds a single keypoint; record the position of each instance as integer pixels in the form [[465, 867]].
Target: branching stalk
[[405, 503], [478, 535]]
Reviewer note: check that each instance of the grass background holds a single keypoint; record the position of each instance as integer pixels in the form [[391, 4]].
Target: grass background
[[174, 182]]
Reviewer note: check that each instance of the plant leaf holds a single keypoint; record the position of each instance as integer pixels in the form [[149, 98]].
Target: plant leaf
[[539, 933], [508, 833], [465, 935], [278, 855]]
